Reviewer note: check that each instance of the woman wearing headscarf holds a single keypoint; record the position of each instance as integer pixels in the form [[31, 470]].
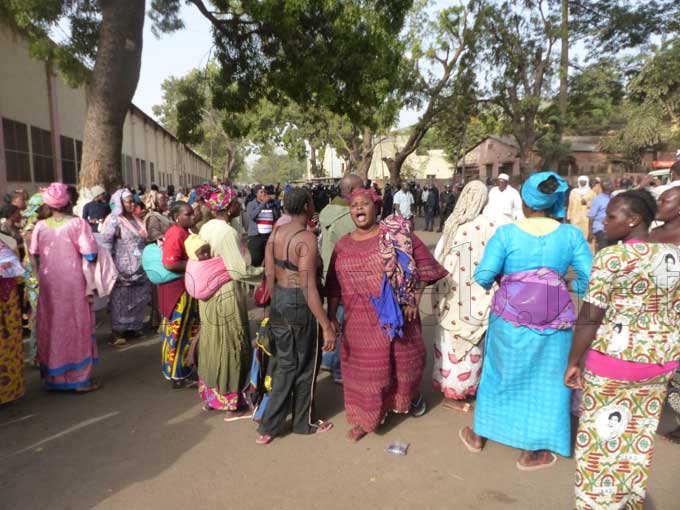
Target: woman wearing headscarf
[[380, 270], [179, 311], [124, 236], [522, 401], [65, 322], [36, 210], [224, 355], [156, 221], [460, 305], [580, 199]]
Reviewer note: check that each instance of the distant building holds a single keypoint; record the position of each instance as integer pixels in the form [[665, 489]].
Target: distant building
[[42, 130]]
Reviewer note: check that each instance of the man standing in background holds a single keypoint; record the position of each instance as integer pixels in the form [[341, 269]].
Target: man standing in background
[[597, 214], [505, 204], [262, 213], [447, 203], [403, 202]]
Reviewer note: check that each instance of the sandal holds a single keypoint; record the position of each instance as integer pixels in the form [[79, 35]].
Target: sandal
[[237, 415], [452, 404], [264, 439], [463, 435], [355, 434], [522, 467], [419, 407], [322, 426], [118, 342], [88, 389]]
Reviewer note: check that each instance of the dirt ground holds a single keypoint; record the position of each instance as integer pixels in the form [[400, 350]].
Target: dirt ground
[[138, 444]]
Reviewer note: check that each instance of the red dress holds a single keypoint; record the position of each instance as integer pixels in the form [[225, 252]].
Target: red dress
[[379, 375], [173, 251]]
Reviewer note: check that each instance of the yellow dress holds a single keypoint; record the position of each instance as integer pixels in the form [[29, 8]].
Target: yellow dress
[[577, 213]]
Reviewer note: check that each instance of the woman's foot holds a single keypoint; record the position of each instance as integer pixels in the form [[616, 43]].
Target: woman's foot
[[264, 439], [673, 436], [472, 442], [533, 461], [322, 426], [93, 386], [239, 414], [118, 341], [355, 434], [419, 406], [462, 406], [177, 384]]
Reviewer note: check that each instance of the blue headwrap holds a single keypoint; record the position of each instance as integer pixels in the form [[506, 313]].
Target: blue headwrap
[[555, 203]]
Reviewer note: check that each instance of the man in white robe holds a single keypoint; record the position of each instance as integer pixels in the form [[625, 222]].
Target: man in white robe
[[505, 203]]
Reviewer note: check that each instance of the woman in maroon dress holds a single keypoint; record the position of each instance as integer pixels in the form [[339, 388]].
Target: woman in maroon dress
[[380, 271]]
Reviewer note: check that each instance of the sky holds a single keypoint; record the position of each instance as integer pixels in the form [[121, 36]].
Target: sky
[[176, 54]]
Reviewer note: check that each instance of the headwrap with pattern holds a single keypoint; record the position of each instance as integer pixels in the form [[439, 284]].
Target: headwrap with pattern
[[116, 202], [55, 195], [221, 198], [30, 214]]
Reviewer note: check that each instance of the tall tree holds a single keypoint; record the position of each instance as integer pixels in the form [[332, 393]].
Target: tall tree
[[440, 71], [520, 50], [273, 168]]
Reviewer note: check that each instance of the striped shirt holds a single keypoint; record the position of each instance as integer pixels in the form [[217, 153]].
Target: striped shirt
[[265, 221]]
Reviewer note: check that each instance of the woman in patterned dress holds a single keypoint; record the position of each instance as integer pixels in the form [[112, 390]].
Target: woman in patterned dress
[[460, 305], [125, 237], [668, 211], [380, 270], [628, 334]]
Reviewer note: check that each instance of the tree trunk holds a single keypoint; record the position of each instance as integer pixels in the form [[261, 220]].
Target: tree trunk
[[366, 155], [110, 90], [564, 64]]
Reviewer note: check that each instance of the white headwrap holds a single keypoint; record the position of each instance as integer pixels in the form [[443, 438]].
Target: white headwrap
[[582, 190]]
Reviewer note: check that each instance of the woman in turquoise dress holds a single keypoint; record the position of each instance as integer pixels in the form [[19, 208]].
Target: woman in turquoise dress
[[522, 401]]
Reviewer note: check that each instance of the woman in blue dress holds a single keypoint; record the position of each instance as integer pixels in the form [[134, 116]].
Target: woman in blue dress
[[522, 401]]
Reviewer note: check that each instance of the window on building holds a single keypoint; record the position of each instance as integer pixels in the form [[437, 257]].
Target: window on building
[[489, 169], [152, 176], [41, 143], [69, 171], [128, 172], [79, 154], [142, 179], [16, 151]]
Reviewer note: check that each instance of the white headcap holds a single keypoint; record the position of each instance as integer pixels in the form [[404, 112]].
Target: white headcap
[[504, 177], [97, 190]]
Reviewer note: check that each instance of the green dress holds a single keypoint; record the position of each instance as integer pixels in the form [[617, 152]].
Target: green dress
[[224, 355]]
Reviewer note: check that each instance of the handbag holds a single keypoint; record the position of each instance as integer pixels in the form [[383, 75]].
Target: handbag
[[262, 296], [152, 262]]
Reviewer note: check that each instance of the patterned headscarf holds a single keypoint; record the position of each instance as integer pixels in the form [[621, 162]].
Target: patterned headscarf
[[56, 195], [204, 191], [151, 200], [116, 202], [370, 192], [469, 205], [221, 198], [30, 214]]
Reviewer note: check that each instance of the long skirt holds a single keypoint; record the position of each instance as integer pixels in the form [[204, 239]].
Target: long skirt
[[11, 349], [522, 400], [128, 303], [379, 375], [615, 441], [177, 332], [224, 352], [457, 379]]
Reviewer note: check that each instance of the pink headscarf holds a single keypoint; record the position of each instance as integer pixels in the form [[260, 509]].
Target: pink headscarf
[[221, 198], [55, 195], [370, 193]]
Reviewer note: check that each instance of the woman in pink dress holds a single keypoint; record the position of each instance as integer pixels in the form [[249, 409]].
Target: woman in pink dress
[[67, 349], [380, 270]]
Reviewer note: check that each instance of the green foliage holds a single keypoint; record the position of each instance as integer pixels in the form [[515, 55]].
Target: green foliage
[[272, 168], [596, 96]]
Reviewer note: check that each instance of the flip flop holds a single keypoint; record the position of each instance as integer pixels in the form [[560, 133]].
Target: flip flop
[[539, 466], [468, 446], [94, 386], [264, 439], [238, 415], [322, 426], [467, 407], [119, 343]]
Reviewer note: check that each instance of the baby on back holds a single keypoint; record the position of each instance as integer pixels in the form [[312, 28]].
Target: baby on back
[[204, 274]]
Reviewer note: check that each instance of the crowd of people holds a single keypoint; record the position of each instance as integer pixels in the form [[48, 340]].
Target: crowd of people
[[343, 272]]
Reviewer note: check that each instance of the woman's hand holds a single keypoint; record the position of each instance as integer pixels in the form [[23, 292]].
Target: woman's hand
[[329, 336], [411, 313], [572, 377]]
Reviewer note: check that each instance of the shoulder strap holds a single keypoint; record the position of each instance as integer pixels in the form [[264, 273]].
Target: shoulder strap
[[290, 239]]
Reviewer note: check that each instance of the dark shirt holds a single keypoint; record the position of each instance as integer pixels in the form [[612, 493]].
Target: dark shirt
[[96, 211]]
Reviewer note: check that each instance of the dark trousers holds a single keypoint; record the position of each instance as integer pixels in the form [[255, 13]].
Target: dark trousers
[[442, 219], [256, 247], [294, 331], [429, 219]]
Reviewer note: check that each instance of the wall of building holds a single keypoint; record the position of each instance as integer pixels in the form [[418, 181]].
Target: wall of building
[[42, 130]]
